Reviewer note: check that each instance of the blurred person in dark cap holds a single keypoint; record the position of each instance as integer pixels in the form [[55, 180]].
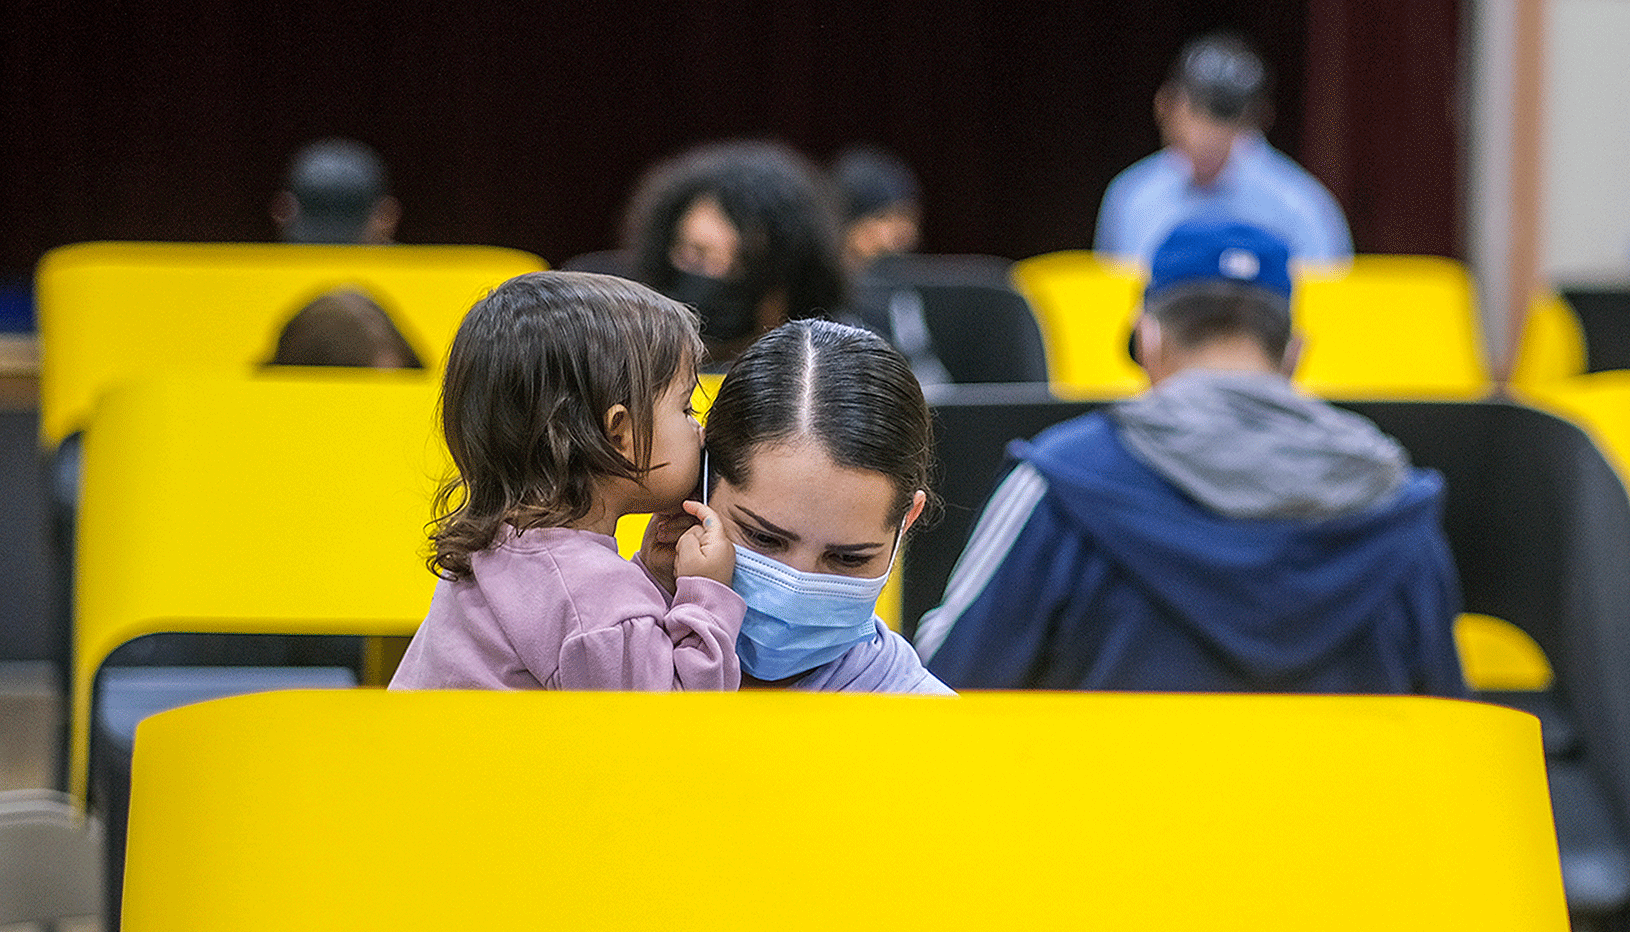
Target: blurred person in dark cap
[[1216, 165], [336, 191]]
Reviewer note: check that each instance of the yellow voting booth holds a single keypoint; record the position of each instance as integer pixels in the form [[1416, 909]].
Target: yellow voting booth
[[1379, 327], [362, 810], [290, 503], [109, 311], [1391, 327]]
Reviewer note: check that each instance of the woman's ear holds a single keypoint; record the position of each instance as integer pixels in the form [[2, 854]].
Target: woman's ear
[[918, 501], [619, 430]]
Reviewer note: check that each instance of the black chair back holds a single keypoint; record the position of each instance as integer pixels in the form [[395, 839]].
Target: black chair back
[[1604, 316], [980, 328]]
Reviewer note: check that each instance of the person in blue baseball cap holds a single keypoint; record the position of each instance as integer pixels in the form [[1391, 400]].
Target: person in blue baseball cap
[[1221, 531], [1202, 269]]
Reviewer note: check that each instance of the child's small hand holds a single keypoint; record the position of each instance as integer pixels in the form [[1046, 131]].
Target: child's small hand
[[658, 551], [704, 550]]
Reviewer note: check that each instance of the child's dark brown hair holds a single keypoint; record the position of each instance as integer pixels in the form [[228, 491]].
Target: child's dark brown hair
[[534, 368]]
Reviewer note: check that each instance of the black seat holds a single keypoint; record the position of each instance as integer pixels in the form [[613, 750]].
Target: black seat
[[606, 262], [1604, 317], [979, 327]]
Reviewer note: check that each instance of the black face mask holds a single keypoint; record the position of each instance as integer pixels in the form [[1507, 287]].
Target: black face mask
[[728, 308]]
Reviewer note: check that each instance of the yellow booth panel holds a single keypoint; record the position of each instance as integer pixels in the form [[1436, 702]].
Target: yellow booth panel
[[1552, 345], [292, 502], [113, 310], [1498, 656], [1379, 327], [1391, 327], [368, 810], [1085, 304]]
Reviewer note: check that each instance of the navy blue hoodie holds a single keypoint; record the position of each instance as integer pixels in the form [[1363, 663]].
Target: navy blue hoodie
[[1090, 569]]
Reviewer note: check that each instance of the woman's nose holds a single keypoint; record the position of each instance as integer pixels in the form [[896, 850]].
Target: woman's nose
[[802, 562]]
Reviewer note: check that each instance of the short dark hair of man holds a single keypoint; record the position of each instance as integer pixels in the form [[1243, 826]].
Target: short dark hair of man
[[1193, 314], [1223, 77], [336, 183]]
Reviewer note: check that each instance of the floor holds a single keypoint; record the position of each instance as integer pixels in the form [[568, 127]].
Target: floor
[[31, 717], [30, 724], [32, 709]]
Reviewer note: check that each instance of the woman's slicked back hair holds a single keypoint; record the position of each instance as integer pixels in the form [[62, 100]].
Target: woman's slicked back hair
[[842, 387]]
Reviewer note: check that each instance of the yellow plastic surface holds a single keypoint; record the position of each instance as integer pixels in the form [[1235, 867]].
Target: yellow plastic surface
[[1381, 327], [1552, 345], [109, 311], [1085, 305], [366, 810], [293, 502], [1497, 655], [1391, 327]]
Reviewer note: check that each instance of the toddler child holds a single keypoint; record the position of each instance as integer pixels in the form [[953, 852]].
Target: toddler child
[[566, 405]]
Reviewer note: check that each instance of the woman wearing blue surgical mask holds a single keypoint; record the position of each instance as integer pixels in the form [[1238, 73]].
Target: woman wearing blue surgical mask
[[819, 450]]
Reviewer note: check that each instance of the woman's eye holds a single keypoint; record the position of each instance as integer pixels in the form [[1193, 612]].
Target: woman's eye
[[760, 541], [849, 561]]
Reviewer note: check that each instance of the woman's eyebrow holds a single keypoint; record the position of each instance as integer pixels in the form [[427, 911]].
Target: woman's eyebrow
[[783, 532], [856, 548], [779, 531]]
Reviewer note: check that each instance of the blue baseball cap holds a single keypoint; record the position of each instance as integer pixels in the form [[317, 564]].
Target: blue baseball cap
[[1200, 251]]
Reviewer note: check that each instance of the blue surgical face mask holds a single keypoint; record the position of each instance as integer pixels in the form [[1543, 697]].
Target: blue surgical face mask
[[797, 621]]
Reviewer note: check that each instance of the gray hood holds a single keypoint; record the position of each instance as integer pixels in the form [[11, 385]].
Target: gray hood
[[1248, 445]]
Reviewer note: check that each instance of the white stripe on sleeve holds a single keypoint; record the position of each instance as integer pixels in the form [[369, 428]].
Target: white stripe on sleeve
[[1005, 515]]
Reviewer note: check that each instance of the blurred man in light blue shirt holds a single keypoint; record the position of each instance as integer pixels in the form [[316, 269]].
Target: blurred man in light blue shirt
[[1217, 166]]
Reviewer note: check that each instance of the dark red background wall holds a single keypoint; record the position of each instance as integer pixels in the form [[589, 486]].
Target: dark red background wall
[[524, 124]]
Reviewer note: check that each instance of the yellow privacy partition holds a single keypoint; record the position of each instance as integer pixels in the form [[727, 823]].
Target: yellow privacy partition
[[1552, 345], [367, 810], [1391, 327], [108, 311], [1383, 327], [292, 503], [1085, 304], [1496, 655]]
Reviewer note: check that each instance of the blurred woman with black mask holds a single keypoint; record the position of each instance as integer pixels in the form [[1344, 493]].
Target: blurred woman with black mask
[[744, 231]]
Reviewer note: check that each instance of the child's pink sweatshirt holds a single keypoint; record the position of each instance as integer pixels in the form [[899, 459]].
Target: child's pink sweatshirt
[[555, 608]]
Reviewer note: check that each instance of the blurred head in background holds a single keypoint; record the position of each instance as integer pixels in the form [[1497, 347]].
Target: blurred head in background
[[1216, 91], [745, 232], [882, 204], [336, 191], [344, 328]]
